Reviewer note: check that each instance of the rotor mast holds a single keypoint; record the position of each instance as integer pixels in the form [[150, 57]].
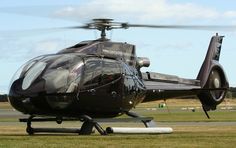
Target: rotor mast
[[103, 33]]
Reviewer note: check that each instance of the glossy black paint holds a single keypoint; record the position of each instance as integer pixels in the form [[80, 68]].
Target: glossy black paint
[[103, 79], [73, 83]]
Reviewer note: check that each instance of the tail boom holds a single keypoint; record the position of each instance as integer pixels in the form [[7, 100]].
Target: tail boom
[[210, 86]]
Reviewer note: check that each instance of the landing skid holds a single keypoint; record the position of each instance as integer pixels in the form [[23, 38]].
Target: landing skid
[[86, 128], [89, 124]]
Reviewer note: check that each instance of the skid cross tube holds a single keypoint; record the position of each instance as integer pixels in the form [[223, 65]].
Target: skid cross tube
[[147, 122]]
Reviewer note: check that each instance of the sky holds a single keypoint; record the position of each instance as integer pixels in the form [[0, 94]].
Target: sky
[[24, 34]]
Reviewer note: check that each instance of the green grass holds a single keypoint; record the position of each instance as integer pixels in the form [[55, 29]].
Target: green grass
[[14, 135], [175, 112], [192, 116], [216, 116], [177, 139]]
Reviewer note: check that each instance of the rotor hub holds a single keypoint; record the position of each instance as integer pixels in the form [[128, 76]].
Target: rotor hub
[[104, 25]]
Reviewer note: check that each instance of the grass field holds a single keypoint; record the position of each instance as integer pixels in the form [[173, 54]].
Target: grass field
[[182, 137], [12, 133]]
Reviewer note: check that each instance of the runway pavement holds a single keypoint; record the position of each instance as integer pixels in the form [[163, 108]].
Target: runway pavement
[[10, 113]]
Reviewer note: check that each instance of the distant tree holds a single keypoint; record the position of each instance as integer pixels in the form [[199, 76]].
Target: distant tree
[[234, 95], [3, 98], [233, 92], [229, 94], [233, 89]]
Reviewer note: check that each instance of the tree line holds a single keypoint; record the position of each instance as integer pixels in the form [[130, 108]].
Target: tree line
[[231, 94], [3, 98]]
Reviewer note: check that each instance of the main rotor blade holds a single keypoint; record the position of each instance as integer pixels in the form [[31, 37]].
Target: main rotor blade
[[36, 32], [190, 27], [74, 27]]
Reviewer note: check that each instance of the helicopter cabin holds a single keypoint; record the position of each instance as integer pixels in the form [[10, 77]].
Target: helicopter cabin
[[113, 50]]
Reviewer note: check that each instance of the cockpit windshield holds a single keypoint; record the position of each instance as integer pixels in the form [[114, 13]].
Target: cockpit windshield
[[63, 73], [55, 73]]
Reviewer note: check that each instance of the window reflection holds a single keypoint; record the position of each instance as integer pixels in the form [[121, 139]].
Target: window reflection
[[99, 72], [92, 73], [111, 70], [63, 73]]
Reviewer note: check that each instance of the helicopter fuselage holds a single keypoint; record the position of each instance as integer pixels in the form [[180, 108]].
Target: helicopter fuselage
[[102, 79], [77, 83]]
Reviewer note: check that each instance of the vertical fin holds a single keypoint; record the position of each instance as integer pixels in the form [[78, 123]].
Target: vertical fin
[[213, 55], [212, 75]]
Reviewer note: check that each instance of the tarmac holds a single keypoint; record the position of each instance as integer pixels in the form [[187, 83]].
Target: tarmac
[[11, 113]]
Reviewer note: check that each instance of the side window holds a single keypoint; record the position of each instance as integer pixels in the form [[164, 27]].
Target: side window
[[92, 73], [111, 70]]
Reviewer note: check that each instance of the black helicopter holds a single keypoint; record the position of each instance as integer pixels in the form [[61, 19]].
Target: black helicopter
[[102, 79]]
